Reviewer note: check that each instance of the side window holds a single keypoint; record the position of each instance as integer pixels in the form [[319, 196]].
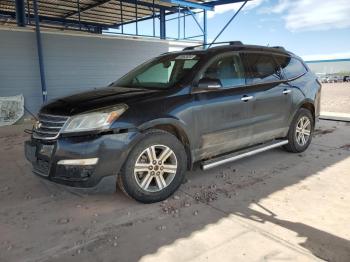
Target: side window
[[228, 69], [292, 67], [261, 68]]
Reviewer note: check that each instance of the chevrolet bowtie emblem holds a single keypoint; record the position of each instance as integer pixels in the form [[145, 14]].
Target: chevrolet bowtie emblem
[[37, 125]]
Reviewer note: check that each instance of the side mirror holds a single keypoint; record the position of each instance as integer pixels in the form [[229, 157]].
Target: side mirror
[[209, 83]]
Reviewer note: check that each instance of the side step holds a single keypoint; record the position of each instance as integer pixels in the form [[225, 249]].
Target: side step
[[207, 164]]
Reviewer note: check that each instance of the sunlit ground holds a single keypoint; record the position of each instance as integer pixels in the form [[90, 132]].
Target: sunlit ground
[[273, 206]]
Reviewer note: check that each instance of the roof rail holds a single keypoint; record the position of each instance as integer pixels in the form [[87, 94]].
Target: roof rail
[[279, 47], [218, 43]]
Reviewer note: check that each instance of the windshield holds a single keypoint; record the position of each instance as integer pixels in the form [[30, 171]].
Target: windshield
[[160, 73]]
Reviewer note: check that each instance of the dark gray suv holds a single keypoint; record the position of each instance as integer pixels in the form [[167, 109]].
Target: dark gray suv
[[211, 106]]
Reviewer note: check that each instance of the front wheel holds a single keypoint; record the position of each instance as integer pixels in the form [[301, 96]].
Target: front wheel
[[300, 131], [155, 168]]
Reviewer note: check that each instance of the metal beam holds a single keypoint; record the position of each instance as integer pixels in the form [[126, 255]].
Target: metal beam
[[87, 8], [121, 15], [153, 19], [184, 12], [20, 13], [157, 16], [190, 4], [140, 3], [162, 23], [40, 51], [205, 28], [78, 7], [224, 2], [227, 24], [178, 24], [28, 12], [57, 20], [136, 18], [195, 19]]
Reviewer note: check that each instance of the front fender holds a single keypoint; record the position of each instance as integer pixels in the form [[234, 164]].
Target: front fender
[[179, 125]]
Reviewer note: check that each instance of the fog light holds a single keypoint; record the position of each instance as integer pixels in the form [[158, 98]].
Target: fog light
[[79, 162]]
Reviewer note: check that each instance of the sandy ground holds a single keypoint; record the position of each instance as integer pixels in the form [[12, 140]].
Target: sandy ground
[[273, 206], [336, 97]]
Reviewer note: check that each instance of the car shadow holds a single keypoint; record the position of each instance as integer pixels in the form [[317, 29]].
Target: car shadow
[[219, 198], [217, 194], [321, 244]]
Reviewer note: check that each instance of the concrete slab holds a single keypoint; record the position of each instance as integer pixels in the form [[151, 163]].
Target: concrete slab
[[335, 116], [272, 206]]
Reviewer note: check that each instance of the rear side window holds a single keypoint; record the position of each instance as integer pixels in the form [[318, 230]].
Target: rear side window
[[228, 69], [261, 68], [291, 66]]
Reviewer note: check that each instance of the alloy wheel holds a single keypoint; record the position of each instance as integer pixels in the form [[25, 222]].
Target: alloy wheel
[[155, 168], [303, 131]]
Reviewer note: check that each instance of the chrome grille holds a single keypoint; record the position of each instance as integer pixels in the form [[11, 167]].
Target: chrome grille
[[49, 126]]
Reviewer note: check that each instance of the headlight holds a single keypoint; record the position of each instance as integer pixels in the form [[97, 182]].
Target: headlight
[[96, 120]]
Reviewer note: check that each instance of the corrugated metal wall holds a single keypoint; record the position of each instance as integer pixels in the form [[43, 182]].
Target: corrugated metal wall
[[73, 62]]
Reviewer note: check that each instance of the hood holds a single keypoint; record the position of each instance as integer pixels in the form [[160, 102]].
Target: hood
[[99, 98]]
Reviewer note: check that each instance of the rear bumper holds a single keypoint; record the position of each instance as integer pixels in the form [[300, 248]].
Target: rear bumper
[[94, 157]]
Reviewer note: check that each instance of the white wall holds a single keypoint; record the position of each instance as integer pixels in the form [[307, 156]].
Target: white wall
[[74, 62]]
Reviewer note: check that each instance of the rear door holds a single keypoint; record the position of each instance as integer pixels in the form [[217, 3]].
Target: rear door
[[272, 98], [221, 116]]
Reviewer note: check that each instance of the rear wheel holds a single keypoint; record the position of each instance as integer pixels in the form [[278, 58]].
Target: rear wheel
[[300, 131], [155, 168]]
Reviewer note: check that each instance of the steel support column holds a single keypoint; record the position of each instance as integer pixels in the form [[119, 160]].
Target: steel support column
[[205, 29], [178, 24], [153, 19], [20, 13], [121, 16], [162, 23], [78, 7], [136, 19], [40, 51], [28, 12]]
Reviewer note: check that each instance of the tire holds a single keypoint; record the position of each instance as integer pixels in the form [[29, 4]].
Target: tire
[[146, 185], [295, 143]]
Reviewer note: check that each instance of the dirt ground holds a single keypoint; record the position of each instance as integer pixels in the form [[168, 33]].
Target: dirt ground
[[273, 206], [336, 97]]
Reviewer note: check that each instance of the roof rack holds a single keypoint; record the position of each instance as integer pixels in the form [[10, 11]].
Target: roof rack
[[218, 43], [279, 47]]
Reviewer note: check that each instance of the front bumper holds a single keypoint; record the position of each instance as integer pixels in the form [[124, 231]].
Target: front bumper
[[48, 158]]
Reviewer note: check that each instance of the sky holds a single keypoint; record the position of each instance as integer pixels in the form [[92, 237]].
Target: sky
[[313, 29]]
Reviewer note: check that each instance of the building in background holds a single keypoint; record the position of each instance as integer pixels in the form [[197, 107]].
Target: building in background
[[338, 64]]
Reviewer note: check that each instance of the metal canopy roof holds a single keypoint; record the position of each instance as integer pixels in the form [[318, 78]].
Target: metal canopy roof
[[98, 14]]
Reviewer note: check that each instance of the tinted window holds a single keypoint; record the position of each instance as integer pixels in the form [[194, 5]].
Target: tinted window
[[292, 67], [261, 68], [228, 69]]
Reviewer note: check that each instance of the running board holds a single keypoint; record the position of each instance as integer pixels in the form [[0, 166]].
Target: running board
[[207, 164]]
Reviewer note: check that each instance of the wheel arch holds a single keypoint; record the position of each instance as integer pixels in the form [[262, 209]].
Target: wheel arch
[[174, 127], [307, 104]]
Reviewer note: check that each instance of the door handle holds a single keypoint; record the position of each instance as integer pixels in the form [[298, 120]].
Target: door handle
[[247, 98], [286, 91]]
